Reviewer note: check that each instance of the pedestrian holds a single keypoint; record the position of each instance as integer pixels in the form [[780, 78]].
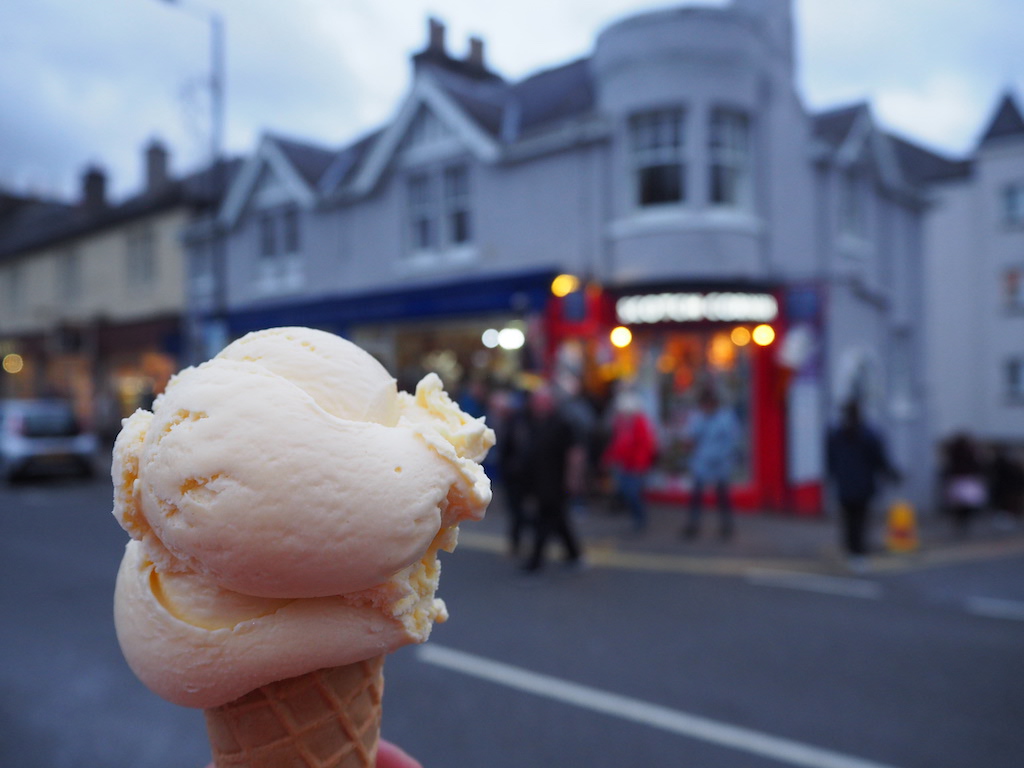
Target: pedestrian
[[714, 433], [549, 451], [857, 460], [1006, 484], [630, 454], [963, 482], [512, 433]]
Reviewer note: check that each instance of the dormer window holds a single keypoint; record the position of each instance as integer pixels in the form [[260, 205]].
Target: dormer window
[[280, 243], [439, 212], [657, 139], [852, 203], [279, 231], [729, 157]]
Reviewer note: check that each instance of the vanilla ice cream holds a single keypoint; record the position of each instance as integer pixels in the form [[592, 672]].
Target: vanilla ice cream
[[286, 504]]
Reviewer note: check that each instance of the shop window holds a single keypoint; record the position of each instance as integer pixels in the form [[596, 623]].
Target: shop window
[[852, 203], [658, 146], [673, 369], [729, 157], [1013, 204], [1015, 380], [140, 267], [69, 276], [1013, 286]]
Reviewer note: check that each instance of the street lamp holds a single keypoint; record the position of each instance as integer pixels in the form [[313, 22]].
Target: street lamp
[[215, 335]]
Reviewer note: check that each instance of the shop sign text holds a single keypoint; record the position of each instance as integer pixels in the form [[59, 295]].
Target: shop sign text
[[692, 307]]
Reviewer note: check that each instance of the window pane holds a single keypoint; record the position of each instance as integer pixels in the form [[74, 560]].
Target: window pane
[[456, 182], [291, 230], [660, 184], [729, 157], [657, 139], [459, 224], [1013, 203], [268, 239]]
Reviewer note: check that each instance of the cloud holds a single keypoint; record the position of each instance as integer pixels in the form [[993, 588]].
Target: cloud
[[94, 81]]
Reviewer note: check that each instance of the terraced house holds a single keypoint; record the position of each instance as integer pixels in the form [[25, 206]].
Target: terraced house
[[93, 291]]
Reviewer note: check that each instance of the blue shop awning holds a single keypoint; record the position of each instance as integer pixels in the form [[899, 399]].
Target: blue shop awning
[[516, 293]]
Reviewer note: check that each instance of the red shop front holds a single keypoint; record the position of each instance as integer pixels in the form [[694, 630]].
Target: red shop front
[[682, 340]]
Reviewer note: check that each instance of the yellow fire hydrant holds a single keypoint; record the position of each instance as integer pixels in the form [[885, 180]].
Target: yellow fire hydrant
[[901, 527]]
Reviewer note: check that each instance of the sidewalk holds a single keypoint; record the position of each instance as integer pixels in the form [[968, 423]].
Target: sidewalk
[[762, 540]]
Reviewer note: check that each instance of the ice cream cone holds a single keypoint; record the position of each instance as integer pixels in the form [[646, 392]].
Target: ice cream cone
[[329, 718]]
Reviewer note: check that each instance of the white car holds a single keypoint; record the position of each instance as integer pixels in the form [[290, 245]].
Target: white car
[[43, 437]]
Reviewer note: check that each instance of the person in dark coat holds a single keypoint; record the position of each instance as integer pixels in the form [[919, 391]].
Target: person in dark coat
[[856, 460], [1006, 483], [511, 427], [545, 447]]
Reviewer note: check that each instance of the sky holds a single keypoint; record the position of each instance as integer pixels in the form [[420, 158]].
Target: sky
[[92, 82]]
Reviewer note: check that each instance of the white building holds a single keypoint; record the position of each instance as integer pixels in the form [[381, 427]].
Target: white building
[[975, 277], [674, 160]]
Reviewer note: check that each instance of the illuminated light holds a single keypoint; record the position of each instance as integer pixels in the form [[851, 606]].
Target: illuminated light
[[621, 336], [740, 336], [490, 338], [722, 353], [763, 335], [13, 363], [666, 364], [563, 285], [511, 338]]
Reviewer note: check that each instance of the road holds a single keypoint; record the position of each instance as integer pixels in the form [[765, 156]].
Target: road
[[605, 667]]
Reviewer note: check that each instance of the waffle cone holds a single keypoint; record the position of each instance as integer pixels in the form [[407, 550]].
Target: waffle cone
[[329, 718]]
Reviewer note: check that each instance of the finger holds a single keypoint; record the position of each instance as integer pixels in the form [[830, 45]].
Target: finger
[[391, 756]]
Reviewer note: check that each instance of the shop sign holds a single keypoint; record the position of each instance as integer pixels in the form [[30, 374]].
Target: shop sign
[[692, 307]]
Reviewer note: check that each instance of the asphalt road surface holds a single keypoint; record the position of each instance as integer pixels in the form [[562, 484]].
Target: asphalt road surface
[[605, 667]]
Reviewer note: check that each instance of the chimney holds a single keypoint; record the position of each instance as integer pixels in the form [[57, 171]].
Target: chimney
[[435, 42], [156, 166], [475, 57], [94, 189]]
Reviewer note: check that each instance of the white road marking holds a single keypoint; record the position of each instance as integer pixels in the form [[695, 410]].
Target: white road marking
[[812, 582], [996, 608], [694, 726]]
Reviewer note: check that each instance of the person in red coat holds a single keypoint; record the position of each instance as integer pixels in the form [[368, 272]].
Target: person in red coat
[[630, 454]]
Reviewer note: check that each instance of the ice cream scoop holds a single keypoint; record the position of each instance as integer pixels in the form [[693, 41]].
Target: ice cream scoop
[[285, 504]]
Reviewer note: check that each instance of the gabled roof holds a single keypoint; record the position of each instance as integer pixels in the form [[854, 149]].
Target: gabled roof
[[833, 126], [428, 90], [1006, 121], [850, 131], [345, 162], [298, 165], [923, 166], [308, 159]]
